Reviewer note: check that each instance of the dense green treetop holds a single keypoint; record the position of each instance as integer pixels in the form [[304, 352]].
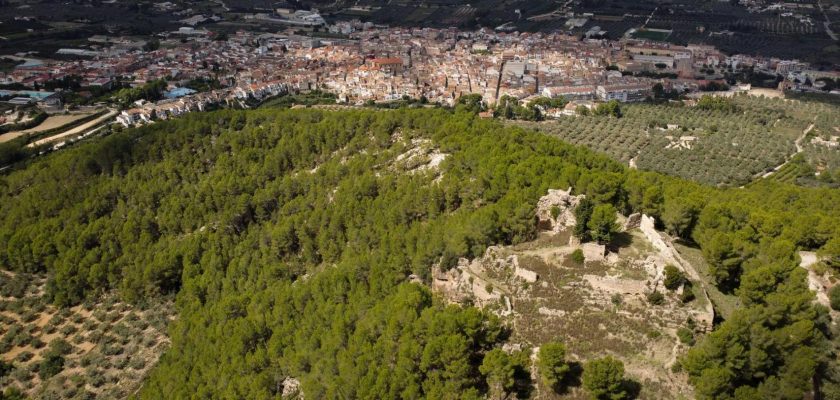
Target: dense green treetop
[[552, 364], [603, 378]]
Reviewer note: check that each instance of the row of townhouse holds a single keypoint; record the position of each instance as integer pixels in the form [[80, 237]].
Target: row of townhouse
[[165, 109], [623, 92]]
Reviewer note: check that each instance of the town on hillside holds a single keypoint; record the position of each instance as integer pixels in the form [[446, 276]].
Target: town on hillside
[[193, 69]]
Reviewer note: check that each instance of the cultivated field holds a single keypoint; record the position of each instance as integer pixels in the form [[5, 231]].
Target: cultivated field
[[101, 348], [52, 122], [708, 146], [75, 130]]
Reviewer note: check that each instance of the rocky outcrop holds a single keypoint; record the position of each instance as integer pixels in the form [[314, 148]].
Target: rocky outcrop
[[551, 312], [556, 210], [593, 252], [816, 283], [667, 252], [525, 275], [633, 221], [493, 259], [459, 284], [291, 389], [648, 227], [469, 281]]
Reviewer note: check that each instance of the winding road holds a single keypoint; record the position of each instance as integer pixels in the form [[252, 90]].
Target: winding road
[[799, 149]]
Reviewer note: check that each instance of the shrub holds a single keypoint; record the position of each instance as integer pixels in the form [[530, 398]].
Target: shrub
[[71, 362], [150, 341], [687, 294], [68, 329], [85, 395], [52, 364], [78, 338], [111, 349], [96, 379], [137, 363], [673, 277], [86, 360], [50, 328], [38, 305], [37, 343], [21, 375], [24, 356], [616, 299], [29, 316], [77, 381], [577, 257], [114, 316], [14, 287], [100, 315], [656, 298], [142, 325], [60, 346], [21, 339], [121, 330], [834, 297], [56, 319], [120, 363], [686, 336], [5, 368], [69, 392], [95, 337], [15, 306]]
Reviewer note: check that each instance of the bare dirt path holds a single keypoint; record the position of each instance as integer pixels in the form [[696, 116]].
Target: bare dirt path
[[799, 149], [827, 23]]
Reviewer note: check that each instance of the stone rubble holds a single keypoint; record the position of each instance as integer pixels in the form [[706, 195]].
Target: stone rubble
[[564, 202]]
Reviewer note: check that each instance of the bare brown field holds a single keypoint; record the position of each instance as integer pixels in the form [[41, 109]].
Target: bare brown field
[[75, 131], [52, 122]]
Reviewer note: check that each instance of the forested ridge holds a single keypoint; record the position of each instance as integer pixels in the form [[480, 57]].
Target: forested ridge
[[289, 237]]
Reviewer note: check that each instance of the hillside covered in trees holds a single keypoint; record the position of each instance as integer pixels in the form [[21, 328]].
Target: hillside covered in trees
[[291, 240]]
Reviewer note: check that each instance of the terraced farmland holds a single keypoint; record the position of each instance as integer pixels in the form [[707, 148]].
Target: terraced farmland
[[714, 147]]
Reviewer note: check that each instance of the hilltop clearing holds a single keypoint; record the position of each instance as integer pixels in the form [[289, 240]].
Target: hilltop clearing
[[596, 305]]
